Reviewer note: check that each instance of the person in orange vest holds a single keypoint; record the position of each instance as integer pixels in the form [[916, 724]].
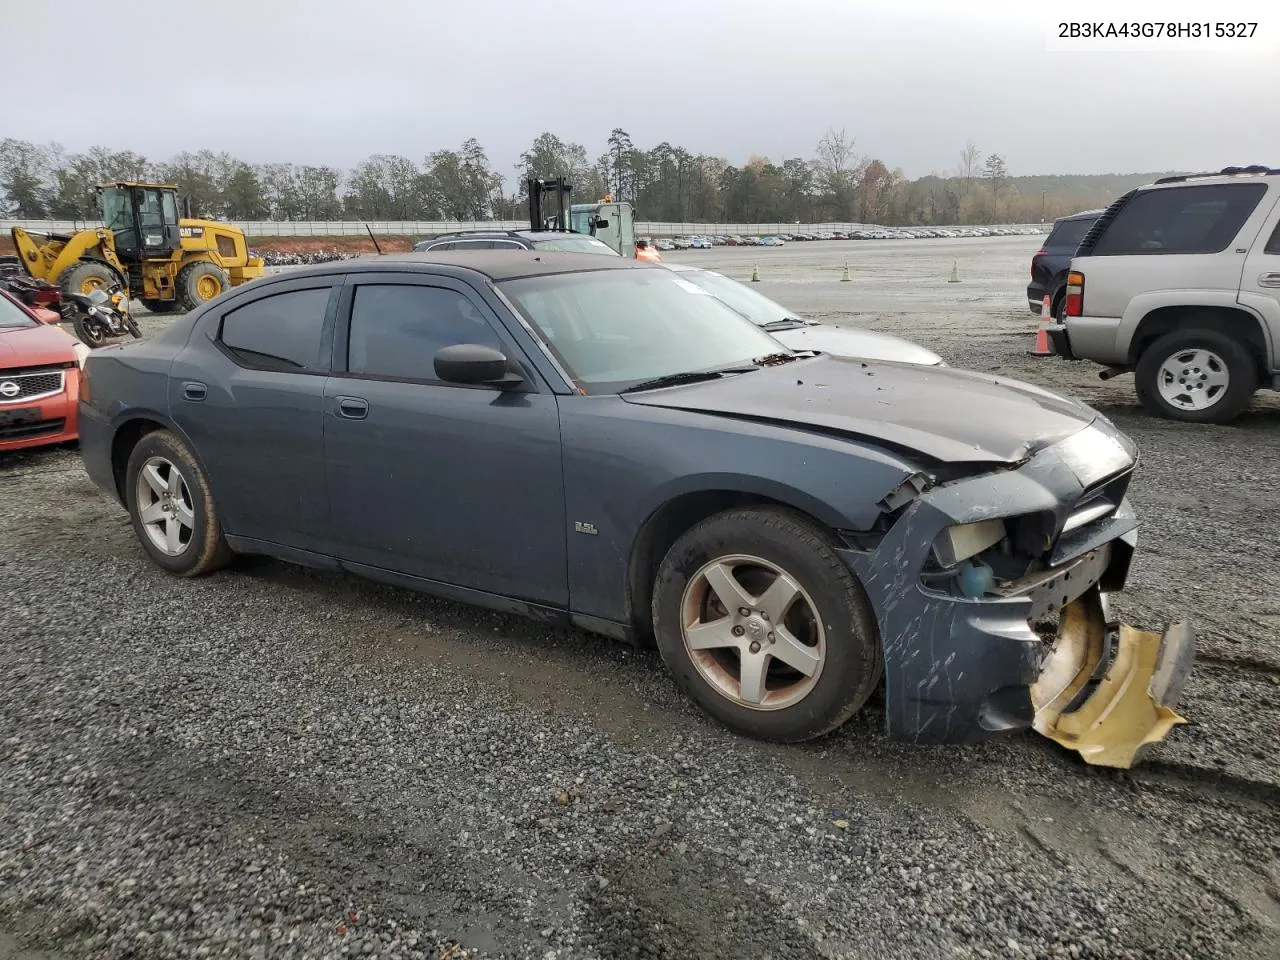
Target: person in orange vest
[[645, 250]]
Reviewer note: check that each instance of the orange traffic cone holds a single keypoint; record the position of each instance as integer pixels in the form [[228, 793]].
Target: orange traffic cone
[[1042, 348]]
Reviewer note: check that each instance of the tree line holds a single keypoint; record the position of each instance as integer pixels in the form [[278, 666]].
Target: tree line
[[663, 183]]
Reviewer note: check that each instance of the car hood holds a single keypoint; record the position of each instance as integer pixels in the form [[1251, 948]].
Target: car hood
[[853, 342], [35, 346], [947, 415]]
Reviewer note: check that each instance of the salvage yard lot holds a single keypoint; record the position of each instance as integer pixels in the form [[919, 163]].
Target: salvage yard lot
[[277, 762]]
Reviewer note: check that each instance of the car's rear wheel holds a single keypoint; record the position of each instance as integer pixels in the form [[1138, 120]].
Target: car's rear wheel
[[1058, 307], [172, 509], [761, 622], [1199, 376]]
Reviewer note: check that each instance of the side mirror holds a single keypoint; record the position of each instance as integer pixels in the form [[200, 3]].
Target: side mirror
[[601, 223], [475, 364]]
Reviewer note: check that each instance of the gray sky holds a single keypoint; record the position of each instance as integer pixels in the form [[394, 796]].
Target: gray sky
[[912, 80]]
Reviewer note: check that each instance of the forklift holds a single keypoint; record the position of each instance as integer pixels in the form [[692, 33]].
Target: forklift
[[612, 223]]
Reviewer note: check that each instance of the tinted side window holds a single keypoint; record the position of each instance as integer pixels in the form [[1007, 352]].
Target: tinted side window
[[507, 245], [473, 245], [396, 329], [280, 332], [1068, 233], [1194, 219]]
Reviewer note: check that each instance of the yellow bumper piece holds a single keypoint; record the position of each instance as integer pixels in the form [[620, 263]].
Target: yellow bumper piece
[[1131, 705]]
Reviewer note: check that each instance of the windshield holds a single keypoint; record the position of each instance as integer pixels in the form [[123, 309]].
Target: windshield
[[11, 315], [569, 243], [616, 328], [756, 307], [117, 214]]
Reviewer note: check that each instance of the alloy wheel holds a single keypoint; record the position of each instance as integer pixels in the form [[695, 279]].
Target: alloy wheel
[[1193, 379], [752, 632], [165, 507]]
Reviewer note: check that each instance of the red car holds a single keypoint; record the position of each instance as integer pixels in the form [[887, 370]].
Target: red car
[[40, 369]]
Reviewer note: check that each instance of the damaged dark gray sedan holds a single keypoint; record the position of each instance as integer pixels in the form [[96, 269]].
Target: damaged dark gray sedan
[[598, 442]]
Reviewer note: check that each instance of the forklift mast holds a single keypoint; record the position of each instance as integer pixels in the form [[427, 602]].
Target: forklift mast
[[549, 204]]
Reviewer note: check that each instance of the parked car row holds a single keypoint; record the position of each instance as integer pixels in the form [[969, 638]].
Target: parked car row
[[704, 242], [276, 258]]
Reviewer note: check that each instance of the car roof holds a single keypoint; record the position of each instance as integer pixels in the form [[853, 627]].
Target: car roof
[[523, 234], [481, 233], [1083, 215], [497, 265]]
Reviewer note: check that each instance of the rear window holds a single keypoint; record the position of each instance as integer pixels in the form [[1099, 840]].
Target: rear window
[[1069, 233], [1192, 219], [1273, 245], [280, 332], [576, 244]]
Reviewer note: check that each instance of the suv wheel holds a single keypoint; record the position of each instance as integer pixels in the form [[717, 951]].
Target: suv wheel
[[1199, 376]]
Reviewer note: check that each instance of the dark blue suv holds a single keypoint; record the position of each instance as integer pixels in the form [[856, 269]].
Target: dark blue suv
[[1050, 263]]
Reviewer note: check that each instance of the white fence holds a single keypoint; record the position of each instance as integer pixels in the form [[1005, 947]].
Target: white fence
[[422, 228]]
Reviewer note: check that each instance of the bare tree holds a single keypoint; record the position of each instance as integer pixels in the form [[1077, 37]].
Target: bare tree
[[969, 159], [839, 169]]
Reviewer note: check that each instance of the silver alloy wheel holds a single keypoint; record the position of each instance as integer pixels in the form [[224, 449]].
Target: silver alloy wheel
[[1193, 379], [165, 507], [752, 632]]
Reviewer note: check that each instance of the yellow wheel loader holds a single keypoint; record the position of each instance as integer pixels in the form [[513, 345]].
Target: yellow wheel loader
[[166, 261]]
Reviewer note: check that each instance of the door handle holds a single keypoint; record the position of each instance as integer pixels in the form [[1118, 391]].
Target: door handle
[[353, 408], [1269, 280], [193, 390]]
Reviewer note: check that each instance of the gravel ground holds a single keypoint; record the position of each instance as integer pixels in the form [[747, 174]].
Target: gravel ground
[[274, 762]]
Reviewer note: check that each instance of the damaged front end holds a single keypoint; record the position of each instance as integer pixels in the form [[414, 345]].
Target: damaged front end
[[991, 597], [1110, 693]]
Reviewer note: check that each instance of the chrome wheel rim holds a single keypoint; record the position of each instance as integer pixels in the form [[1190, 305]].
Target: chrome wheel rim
[[165, 507], [752, 632], [1193, 379]]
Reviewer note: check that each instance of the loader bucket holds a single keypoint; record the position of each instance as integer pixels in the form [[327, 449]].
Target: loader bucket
[[1110, 712]]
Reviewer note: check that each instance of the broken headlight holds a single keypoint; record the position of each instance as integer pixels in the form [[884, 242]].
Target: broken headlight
[[965, 540]]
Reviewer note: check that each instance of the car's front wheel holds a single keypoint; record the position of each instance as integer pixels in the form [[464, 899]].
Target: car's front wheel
[[171, 507], [761, 622], [1200, 376]]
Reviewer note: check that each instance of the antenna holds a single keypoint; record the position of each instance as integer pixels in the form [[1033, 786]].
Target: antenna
[[374, 239]]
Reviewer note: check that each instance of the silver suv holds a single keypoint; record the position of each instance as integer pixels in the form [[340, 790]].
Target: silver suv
[[1179, 282]]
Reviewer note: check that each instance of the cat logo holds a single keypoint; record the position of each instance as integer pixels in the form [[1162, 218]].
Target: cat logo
[[191, 231]]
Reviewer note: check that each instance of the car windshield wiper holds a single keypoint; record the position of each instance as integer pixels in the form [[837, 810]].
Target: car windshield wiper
[[689, 376], [772, 359]]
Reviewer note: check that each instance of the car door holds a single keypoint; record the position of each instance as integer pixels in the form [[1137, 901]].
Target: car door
[[457, 484], [1260, 282], [248, 392]]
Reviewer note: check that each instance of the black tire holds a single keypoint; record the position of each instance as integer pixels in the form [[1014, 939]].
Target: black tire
[[1058, 307], [190, 279], [161, 306], [853, 659], [1240, 366], [205, 550], [90, 332], [86, 275]]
